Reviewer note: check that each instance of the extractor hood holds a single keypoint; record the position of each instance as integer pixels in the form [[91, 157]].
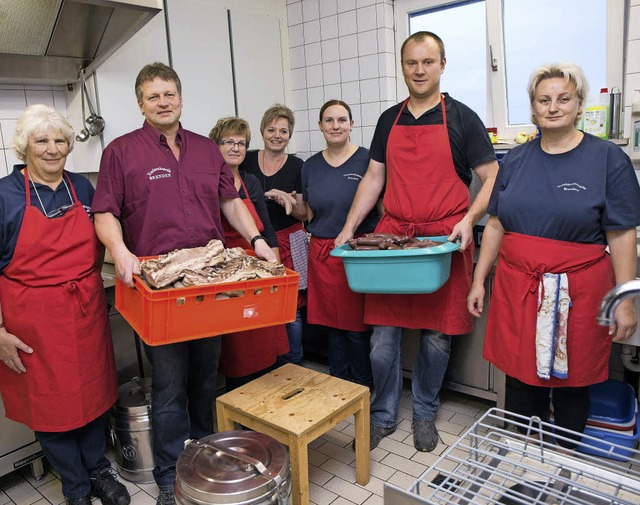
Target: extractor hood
[[49, 41]]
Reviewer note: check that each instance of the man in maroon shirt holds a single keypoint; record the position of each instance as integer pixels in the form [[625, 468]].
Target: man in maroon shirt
[[160, 188]]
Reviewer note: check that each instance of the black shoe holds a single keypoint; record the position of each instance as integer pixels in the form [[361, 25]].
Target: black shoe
[[425, 435], [85, 500], [166, 497], [105, 485], [376, 433]]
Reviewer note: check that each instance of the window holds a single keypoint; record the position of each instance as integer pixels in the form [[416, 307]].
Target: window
[[492, 46]]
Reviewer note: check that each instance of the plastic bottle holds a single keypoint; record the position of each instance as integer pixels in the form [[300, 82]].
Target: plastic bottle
[[596, 115], [635, 127]]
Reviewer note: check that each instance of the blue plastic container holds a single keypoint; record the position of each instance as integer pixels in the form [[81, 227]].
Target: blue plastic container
[[613, 402], [399, 271], [602, 443]]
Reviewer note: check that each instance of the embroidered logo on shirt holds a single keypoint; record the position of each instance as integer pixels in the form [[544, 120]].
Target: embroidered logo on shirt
[[159, 173], [353, 177], [571, 186]]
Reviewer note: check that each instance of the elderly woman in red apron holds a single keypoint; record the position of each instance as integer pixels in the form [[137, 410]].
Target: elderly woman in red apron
[[558, 202], [246, 355], [330, 180], [58, 375]]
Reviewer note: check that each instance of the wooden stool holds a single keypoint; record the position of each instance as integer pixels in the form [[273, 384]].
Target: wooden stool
[[295, 406]]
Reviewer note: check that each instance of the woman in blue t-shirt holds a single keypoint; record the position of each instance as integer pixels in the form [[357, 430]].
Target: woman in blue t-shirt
[[557, 203], [330, 179]]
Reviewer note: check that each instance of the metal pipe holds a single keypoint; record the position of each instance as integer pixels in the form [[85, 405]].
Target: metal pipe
[[614, 297]]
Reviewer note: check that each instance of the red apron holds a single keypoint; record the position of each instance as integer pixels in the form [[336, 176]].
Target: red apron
[[330, 301], [53, 299], [245, 352], [424, 197], [284, 246], [511, 326]]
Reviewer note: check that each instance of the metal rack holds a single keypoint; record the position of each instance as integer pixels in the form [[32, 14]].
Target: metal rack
[[495, 464]]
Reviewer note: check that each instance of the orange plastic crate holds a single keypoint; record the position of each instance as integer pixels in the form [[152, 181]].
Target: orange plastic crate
[[164, 316]]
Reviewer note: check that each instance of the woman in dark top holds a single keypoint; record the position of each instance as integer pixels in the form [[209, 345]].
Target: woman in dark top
[[558, 201], [245, 355], [279, 173]]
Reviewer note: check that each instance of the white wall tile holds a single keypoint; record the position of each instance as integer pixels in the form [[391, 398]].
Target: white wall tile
[[347, 23], [635, 2], [351, 92], [296, 35], [368, 42], [314, 76], [318, 143], [315, 97], [310, 10], [294, 13], [633, 56], [632, 83], [329, 27], [39, 96], [366, 18], [312, 116], [634, 23], [298, 78], [299, 99], [370, 113], [387, 65], [7, 131], [348, 47], [387, 89], [60, 100], [384, 14], [369, 90], [302, 140], [311, 31], [356, 112], [3, 164], [386, 40], [331, 72], [328, 8], [296, 57], [367, 135], [346, 5], [349, 69], [368, 66], [332, 92], [330, 50], [12, 159], [12, 103], [313, 54], [365, 3], [356, 135], [302, 120]]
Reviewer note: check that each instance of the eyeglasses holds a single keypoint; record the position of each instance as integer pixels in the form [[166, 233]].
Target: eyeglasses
[[230, 144], [60, 211]]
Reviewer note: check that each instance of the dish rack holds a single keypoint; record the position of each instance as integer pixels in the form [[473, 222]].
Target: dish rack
[[493, 463]]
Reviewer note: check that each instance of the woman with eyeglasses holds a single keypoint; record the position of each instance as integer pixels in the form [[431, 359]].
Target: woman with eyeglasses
[[279, 174], [58, 374], [246, 355]]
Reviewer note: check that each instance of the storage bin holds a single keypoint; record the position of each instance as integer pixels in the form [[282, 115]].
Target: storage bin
[[608, 443], [613, 405], [165, 316], [399, 271]]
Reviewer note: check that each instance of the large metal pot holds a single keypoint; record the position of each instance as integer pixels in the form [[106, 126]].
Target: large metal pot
[[234, 467], [131, 431]]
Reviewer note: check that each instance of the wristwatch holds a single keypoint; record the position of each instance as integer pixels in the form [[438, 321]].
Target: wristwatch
[[254, 239]]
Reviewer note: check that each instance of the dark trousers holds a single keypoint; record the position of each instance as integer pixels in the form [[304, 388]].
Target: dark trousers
[[349, 355], [570, 405], [76, 454], [183, 389]]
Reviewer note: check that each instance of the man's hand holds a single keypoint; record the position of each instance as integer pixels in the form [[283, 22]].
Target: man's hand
[[464, 231], [127, 265], [287, 200], [265, 252], [343, 238], [625, 323], [475, 300], [9, 347]]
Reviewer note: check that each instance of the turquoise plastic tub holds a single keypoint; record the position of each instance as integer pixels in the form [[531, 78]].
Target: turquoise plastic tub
[[399, 271]]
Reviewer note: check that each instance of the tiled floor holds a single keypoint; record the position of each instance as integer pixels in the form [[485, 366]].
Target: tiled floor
[[332, 472]]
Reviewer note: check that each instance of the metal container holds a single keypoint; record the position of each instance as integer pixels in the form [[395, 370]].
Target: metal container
[[234, 467], [614, 111], [131, 431]]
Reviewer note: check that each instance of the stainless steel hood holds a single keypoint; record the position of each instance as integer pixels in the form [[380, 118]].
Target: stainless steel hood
[[49, 41]]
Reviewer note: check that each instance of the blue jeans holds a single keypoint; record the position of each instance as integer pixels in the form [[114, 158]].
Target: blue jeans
[[349, 355], [294, 333], [429, 368], [76, 454], [183, 389]]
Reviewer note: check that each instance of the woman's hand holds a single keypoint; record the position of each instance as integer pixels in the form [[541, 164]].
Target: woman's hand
[[625, 321], [9, 347], [287, 200], [475, 300]]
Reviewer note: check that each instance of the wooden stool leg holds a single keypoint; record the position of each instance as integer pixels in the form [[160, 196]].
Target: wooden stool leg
[[298, 453], [361, 418], [224, 423]]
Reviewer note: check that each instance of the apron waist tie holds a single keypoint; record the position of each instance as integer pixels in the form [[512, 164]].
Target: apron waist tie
[[74, 288]]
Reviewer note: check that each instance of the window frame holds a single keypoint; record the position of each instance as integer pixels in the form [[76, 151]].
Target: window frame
[[497, 111]]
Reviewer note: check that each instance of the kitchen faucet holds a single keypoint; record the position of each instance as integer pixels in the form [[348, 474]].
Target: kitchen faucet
[[614, 297]]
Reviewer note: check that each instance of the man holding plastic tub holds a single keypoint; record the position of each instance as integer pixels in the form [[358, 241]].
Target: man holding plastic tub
[[422, 154], [160, 188]]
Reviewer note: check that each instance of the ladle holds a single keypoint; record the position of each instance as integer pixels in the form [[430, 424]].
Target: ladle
[[95, 122], [84, 134]]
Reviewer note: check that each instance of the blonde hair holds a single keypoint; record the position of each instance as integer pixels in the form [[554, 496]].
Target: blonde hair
[[35, 119], [230, 126], [277, 111]]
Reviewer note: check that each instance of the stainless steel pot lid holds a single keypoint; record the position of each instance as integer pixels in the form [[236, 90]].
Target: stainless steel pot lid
[[232, 467], [134, 395]]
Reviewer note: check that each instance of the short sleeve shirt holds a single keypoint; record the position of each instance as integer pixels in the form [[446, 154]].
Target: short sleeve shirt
[[575, 196], [468, 137], [13, 203], [163, 203]]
